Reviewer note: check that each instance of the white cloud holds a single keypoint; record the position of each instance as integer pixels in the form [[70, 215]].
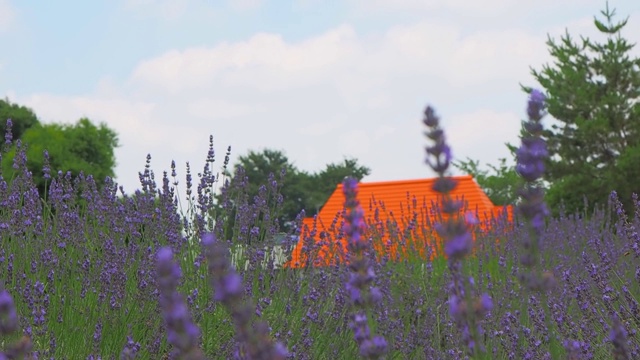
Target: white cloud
[[382, 131], [320, 128], [223, 109], [481, 134], [495, 56], [263, 62], [359, 68], [355, 143], [7, 15]]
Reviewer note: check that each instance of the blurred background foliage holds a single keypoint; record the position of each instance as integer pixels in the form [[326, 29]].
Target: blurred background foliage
[[80, 147]]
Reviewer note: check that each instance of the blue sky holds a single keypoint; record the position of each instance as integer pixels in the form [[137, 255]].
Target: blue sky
[[320, 80]]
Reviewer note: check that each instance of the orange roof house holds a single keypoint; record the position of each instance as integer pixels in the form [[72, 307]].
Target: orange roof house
[[399, 216]]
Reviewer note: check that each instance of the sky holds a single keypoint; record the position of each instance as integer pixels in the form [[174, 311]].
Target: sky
[[319, 80]]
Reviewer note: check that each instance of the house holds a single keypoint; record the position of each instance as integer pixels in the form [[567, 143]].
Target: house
[[399, 216]]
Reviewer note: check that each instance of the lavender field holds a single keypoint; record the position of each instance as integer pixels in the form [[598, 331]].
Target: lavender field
[[100, 274]]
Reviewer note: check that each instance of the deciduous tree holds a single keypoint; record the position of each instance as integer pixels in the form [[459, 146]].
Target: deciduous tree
[[22, 118], [500, 182], [82, 146], [299, 189]]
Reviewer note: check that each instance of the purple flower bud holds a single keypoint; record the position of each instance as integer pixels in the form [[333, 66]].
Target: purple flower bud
[[376, 295], [484, 304], [535, 105], [439, 154], [530, 157], [618, 337], [459, 246], [457, 307], [8, 314], [228, 288], [182, 333], [362, 274], [8, 136], [530, 165], [430, 117]]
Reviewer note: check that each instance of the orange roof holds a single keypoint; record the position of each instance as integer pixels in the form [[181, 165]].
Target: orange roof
[[397, 203]]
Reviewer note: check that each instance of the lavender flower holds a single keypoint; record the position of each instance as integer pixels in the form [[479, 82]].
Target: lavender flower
[[8, 325], [8, 135], [618, 337], [254, 339], [458, 241], [183, 334], [20, 350], [530, 158], [8, 315], [453, 229], [130, 349], [46, 168], [362, 274]]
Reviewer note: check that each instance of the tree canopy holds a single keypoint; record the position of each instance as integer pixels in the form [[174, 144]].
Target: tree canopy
[[592, 91], [22, 118], [500, 183], [300, 190], [82, 146]]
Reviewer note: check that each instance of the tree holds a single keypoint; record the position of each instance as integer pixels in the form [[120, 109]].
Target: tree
[[257, 167], [299, 189], [22, 118], [592, 91], [316, 188], [80, 147], [325, 182], [500, 183]]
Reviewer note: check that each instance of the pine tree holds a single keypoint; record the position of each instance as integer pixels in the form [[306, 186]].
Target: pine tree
[[593, 91]]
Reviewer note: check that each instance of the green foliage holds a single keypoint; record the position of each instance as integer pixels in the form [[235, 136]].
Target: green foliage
[[499, 182], [258, 166], [300, 189], [592, 90], [22, 118], [81, 147], [319, 186]]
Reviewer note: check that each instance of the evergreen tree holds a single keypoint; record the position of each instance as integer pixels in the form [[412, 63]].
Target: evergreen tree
[[592, 91]]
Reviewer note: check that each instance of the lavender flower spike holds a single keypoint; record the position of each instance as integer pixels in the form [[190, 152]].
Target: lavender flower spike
[[255, 342], [361, 276], [8, 325], [533, 151], [618, 337], [183, 334], [530, 165], [8, 135], [458, 242], [8, 314]]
